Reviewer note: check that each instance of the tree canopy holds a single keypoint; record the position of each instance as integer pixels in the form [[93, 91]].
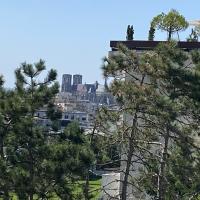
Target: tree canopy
[[37, 162], [158, 96], [171, 22]]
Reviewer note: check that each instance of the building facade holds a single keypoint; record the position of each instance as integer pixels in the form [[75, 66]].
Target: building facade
[[77, 79], [66, 83]]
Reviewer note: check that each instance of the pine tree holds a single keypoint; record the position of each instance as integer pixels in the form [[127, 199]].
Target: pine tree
[[29, 143], [135, 97], [175, 121], [172, 22], [151, 33], [157, 94], [38, 161], [73, 157], [9, 115]]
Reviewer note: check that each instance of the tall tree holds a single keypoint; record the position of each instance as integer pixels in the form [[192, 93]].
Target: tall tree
[[131, 89], [156, 93], [10, 111], [129, 33], [151, 33], [73, 157], [37, 162], [171, 22], [176, 78], [30, 141], [4, 180]]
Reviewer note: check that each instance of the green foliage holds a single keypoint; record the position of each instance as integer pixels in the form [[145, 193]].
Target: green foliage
[[9, 115], [105, 155], [193, 37], [158, 96], [36, 161], [197, 29], [182, 173], [1, 81], [94, 189], [151, 33], [171, 22], [29, 141], [129, 33]]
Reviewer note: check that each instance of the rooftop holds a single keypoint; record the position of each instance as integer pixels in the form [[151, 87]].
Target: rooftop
[[148, 45]]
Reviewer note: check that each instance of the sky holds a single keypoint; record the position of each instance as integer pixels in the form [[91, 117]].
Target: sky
[[73, 36]]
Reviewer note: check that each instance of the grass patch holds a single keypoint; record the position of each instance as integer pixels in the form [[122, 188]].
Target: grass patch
[[94, 190]]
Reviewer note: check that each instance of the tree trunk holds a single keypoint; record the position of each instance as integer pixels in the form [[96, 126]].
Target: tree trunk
[[30, 196], [1, 147], [31, 183], [86, 189], [5, 189], [127, 171], [31, 179], [161, 177], [6, 195], [170, 34]]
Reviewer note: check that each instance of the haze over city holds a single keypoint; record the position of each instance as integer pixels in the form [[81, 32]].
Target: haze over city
[[73, 36]]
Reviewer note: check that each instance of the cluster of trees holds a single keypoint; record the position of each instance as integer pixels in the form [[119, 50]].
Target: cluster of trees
[[172, 23], [154, 133], [157, 123], [36, 162]]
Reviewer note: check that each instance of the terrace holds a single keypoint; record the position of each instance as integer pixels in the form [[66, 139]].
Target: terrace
[[149, 45]]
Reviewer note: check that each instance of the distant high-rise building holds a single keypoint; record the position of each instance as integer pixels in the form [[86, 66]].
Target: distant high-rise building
[[66, 83], [77, 79]]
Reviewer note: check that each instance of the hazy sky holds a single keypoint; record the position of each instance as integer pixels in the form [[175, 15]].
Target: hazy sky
[[73, 36]]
